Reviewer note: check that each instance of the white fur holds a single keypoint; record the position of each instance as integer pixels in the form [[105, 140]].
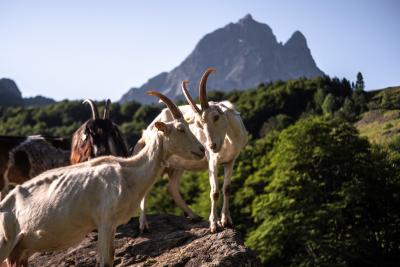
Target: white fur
[[56, 209], [231, 138]]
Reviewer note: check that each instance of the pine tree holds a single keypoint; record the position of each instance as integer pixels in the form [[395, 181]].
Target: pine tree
[[359, 86], [358, 97]]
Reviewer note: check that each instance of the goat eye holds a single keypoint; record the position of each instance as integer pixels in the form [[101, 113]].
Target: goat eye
[[216, 117]]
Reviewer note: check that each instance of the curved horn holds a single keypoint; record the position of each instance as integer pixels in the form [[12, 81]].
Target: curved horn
[[189, 99], [202, 89], [95, 112], [172, 107], [107, 106]]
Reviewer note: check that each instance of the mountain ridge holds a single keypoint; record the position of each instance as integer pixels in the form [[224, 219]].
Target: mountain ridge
[[10, 95], [244, 53]]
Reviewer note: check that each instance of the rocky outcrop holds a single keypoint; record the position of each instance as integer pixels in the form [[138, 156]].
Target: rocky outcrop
[[173, 241], [10, 95], [245, 54]]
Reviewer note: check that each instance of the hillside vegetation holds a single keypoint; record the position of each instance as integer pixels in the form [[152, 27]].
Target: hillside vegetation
[[381, 124], [308, 189]]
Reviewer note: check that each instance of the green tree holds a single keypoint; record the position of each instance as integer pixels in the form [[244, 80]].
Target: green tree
[[359, 86], [320, 205], [360, 101], [329, 105], [347, 112], [276, 123], [319, 97], [147, 113]]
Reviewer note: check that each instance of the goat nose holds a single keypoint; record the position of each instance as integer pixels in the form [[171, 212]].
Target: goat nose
[[212, 145], [202, 149]]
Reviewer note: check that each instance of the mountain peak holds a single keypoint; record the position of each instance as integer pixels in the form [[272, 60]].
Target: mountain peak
[[10, 95], [247, 18], [245, 54], [297, 39]]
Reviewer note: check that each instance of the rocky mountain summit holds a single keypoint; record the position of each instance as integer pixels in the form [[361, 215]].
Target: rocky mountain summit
[[10, 95], [172, 241], [245, 54]]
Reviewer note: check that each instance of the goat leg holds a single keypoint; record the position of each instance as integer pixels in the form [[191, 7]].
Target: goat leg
[[173, 189], [143, 224], [214, 194], [226, 220], [106, 244]]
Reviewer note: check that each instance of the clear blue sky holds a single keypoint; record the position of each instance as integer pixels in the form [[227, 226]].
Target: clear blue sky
[[98, 49]]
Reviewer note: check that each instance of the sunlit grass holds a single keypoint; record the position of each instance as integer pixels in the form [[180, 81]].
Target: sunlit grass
[[380, 126]]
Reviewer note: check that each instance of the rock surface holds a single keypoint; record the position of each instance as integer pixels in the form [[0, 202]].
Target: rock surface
[[245, 54], [172, 241]]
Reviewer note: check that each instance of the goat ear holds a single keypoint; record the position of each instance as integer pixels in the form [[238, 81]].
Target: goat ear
[[162, 127]]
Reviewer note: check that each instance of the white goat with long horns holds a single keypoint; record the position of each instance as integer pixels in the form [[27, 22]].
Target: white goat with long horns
[[219, 127], [58, 208]]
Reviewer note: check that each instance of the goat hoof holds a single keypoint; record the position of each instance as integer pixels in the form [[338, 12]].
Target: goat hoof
[[213, 228], [144, 229], [226, 223]]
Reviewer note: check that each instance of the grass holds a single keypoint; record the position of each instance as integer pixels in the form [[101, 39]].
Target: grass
[[380, 126], [387, 98]]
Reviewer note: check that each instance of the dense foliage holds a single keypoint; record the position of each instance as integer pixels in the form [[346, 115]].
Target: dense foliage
[[329, 199], [306, 191], [63, 118]]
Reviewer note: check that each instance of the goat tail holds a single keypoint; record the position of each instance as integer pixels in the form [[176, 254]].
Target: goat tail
[[9, 234]]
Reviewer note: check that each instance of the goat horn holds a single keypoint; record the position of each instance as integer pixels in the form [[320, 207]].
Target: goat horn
[[106, 114], [189, 99], [95, 112], [202, 89], [172, 107]]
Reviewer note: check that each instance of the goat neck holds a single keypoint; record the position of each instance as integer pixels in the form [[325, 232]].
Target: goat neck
[[149, 162]]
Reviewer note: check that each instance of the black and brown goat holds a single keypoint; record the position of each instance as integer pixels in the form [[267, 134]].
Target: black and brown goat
[[97, 137]]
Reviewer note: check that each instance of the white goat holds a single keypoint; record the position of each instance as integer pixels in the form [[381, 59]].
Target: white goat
[[58, 208], [220, 129]]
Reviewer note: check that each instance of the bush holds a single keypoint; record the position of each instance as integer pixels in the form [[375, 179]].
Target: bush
[[321, 205]]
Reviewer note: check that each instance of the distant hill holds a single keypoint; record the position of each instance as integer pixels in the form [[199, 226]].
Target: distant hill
[[245, 54], [10, 95], [38, 101]]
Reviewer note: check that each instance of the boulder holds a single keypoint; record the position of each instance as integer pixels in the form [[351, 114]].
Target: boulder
[[172, 241]]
